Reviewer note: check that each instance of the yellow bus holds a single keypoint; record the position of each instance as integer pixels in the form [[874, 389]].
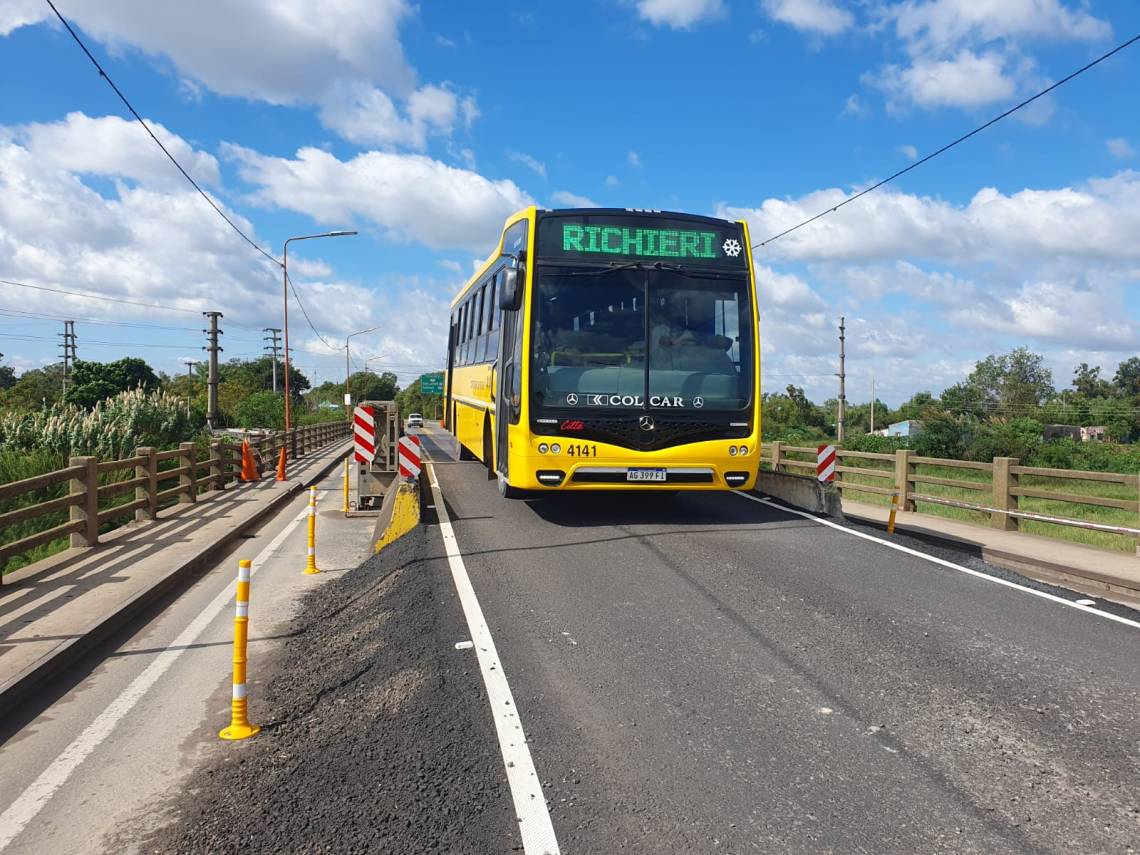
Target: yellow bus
[[609, 349]]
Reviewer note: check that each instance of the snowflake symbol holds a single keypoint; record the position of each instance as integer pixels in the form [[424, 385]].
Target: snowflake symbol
[[731, 247]]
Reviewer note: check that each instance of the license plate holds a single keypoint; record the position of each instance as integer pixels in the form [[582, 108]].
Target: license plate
[[645, 475]]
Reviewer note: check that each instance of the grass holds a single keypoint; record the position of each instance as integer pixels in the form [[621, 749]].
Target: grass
[[1049, 507]]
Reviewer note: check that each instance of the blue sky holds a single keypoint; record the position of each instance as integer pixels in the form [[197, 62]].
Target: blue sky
[[424, 126]]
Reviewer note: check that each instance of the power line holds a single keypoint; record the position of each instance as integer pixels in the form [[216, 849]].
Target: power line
[[951, 145], [297, 296], [41, 316], [97, 297], [157, 141]]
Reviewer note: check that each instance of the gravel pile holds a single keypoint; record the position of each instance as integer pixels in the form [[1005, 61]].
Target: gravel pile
[[377, 735]]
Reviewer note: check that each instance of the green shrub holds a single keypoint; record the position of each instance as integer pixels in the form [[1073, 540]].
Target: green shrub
[[261, 410]]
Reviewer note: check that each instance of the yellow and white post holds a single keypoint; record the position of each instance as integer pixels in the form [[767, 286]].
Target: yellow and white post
[[311, 563], [346, 468], [240, 728], [894, 510]]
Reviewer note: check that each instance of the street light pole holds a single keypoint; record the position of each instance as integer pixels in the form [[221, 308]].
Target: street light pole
[[348, 370], [285, 296]]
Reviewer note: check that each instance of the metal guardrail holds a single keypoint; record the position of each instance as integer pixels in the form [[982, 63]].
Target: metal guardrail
[[1004, 485], [157, 479]]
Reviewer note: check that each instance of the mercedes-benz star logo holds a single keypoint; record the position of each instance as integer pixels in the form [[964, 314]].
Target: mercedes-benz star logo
[[571, 400], [646, 422], [698, 402]]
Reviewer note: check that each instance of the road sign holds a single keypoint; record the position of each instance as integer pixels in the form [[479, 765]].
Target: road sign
[[364, 434], [410, 456], [431, 384], [825, 463]]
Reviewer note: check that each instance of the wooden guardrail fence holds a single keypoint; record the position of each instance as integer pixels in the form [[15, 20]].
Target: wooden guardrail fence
[[993, 490], [154, 479]]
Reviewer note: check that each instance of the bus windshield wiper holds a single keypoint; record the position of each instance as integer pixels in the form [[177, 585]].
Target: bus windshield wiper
[[598, 271], [692, 274]]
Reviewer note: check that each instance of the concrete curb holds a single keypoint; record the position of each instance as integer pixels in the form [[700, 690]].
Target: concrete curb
[[399, 514], [805, 493], [1082, 580], [20, 689]]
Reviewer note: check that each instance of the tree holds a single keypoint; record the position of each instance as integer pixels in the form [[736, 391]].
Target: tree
[[369, 386], [917, 407], [1087, 382], [7, 376], [1127, 377], [1011, 383], [35, 388], [258, 374], [92, 382], [261, 410]]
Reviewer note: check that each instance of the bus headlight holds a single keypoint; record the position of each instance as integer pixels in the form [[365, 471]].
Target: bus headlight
[[556, 449], [732, 451], [743, 450], [543, 448]]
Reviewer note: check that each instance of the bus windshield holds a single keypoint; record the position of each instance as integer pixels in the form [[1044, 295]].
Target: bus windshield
[[636, 337]]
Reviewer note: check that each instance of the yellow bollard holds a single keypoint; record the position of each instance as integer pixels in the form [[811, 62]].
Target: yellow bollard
[[894, 510], [346, 484], [311, 564], [240, 728]]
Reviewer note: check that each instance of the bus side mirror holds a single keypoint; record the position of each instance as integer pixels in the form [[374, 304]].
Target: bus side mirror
[[510, 294]]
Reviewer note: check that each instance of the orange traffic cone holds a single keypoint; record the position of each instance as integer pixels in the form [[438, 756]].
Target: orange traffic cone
[[248, 466], [281, 465]]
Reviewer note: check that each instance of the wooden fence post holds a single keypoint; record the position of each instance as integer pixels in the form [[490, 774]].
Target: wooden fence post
[[1003, 501], [147, 469], [87, 486], [217, 465], [187, 481], [904, 474], [776, 448]]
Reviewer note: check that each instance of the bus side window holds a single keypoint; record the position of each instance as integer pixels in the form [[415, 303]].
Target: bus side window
[[464, 312], [480, 336], [493, 318]]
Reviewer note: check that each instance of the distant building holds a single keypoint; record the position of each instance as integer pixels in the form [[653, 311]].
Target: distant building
[[328, 405], [1061, 432], [911, 427], [1093, 434]]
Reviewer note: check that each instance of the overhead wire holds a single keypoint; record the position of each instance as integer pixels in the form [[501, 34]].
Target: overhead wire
[[157, 141], [948, 146]]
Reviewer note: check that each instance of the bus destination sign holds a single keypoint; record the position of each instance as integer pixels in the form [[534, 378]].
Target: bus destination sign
[[628, 238]]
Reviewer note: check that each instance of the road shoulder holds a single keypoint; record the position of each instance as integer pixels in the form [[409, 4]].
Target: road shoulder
[[377, 735]]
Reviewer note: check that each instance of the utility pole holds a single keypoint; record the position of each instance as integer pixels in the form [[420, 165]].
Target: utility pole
[[274, 332], [212, 372], [68, 336], [872, 403], [190, 376], [840, 425]]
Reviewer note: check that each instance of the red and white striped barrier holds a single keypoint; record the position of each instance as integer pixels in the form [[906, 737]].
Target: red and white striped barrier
[[410, 456], [825, 463], [364, 434]]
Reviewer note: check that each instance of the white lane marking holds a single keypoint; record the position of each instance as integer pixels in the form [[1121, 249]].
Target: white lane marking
[[944, 563], [526, 789], [1086, 602], [30, 802]]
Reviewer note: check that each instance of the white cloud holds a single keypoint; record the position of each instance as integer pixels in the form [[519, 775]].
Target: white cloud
[[572, 200], [943, 25], [444, 41], [679, 14], [964, 80], [410, 197], [342, 56], [1098, 219], [365, 115], [111, 147], [966, 54], [821, 17], [448, 264], [854, 106], [533, 164], [634, 159], [908, 151], [611, 181], [1120, 148]]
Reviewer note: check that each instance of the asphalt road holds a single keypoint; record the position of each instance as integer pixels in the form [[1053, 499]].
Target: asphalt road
[[132, 778], [711, 674]]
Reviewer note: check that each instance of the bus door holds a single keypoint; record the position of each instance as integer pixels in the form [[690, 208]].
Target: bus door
[[507, 368]]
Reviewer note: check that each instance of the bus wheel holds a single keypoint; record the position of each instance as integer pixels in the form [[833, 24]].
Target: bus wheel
[[509, 492], [488, 451]]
